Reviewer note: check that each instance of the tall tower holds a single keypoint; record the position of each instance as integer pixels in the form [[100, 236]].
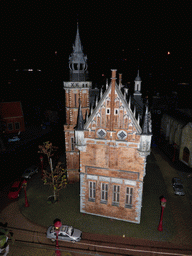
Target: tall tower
[[76, 91]]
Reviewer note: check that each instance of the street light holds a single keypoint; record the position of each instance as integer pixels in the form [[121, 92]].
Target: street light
[[163, 204], [57, 225], [24, 186]]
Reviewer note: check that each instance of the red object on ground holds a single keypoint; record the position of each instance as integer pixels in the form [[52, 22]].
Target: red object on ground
[[26, 200], [57, 226], [163, 204]]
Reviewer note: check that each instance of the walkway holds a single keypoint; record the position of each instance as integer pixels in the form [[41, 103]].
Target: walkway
[[180, 206]]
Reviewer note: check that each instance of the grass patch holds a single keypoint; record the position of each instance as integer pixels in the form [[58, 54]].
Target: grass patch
[[68, 209]]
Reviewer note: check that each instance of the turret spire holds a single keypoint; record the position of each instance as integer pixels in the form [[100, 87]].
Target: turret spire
[[147, 124], [80, 121], [78, 61]]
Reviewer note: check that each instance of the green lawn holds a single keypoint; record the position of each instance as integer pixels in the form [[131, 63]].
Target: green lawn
[[67, 209]]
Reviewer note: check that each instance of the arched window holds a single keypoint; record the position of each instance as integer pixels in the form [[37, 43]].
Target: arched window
[[186, 154]]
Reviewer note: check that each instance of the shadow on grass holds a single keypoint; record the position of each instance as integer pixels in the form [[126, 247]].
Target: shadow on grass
[[68, 209]]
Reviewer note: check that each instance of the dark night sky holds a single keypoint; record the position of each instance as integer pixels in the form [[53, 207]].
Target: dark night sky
[[111, 35]]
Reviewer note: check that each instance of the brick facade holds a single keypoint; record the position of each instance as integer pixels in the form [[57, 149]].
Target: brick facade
[[113, 154]]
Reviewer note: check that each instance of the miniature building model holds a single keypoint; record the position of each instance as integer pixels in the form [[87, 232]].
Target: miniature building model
[[77, 89], [109, 149], [12, 115]]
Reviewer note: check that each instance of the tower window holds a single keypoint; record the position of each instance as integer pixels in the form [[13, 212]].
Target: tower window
[[72, 144], [75, 66], [108, 111], [75, 100]]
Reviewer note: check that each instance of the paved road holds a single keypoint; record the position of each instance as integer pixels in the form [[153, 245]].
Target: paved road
[[180, 206]]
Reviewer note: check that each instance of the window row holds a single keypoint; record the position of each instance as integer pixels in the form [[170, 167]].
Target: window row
[[10, 126], [115, 194]]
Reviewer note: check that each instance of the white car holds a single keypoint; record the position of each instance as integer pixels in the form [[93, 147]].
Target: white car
[[178, 187], [66, 233], [30, 171], [15, 138]]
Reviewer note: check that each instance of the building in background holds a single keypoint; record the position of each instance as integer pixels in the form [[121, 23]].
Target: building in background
[[176, 130], [11, 114]]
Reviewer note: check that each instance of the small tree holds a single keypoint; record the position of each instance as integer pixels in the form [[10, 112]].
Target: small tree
[[55, 177]]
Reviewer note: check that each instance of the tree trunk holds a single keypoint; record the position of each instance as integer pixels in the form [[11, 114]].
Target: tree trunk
[[54, 193]]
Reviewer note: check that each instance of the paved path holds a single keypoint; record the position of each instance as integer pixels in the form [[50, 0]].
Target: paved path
[[180, 206]]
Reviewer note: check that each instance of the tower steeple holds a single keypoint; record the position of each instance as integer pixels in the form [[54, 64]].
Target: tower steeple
[[78, 61], [137, 84]]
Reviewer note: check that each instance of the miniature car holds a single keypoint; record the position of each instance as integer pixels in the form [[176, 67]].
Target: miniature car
[[15, 138], [66, 233], [178, 187], [30, 171], [15, 189]]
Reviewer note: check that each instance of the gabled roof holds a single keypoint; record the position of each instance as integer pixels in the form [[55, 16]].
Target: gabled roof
[[11, 109], [124, 103]]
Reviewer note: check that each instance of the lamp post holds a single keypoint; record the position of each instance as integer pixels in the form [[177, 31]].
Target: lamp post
[[57, 226], [24, 186], [163, 204]]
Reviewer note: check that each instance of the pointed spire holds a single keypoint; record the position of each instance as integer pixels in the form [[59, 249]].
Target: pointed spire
[[87, 117], [120, 81], [101, 94], [138, 78], [130, 102], [138, 119], [147, 124], [96, 102], [78, 61], [91, 109], [80, 121], [124, 94], [77, 46], [107, 84]]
